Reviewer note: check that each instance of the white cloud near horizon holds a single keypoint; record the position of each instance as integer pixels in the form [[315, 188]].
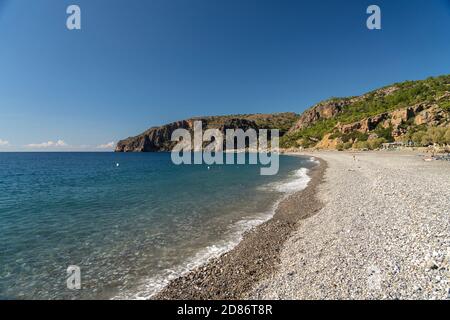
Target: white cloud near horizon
[[4, 143], [48, 144], [110, 145]]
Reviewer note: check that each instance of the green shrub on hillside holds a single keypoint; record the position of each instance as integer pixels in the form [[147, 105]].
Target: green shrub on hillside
[[361, 145], [376, 143], [344, 146], [309, 136], [385, 133], [445, 105], [348, 145], [372, 144], [355, 135], [447, 136], [431, 136]]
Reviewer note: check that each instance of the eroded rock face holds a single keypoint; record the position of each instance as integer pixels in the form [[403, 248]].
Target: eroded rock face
[[328, 143], [154, 139], [363, 126], [386, 91], [330, 108], [324, 110], [433, 116], [400, 116], [158, 139], [398, 121], [430, 115]]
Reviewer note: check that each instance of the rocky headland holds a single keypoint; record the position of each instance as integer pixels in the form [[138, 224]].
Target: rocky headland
[[412, 112], [159, 138]]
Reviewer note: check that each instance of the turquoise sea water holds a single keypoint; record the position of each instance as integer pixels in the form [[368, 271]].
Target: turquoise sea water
[[130, 228]]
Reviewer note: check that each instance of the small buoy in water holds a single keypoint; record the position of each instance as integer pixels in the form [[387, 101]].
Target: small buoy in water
[[117, 165], [209, 168]]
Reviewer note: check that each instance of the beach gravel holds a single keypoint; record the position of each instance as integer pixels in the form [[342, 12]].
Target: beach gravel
[[383, 233]]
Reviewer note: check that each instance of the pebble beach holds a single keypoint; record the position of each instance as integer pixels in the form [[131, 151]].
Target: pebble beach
[[383, 233], [370, 225]]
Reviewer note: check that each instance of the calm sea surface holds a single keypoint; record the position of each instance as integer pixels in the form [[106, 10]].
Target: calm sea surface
[[131, 222]]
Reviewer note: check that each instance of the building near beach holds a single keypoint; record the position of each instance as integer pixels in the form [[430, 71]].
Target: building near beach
[[393, 145]]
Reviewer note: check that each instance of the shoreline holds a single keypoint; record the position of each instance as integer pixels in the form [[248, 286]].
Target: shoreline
[[233, 274], [383, 233]]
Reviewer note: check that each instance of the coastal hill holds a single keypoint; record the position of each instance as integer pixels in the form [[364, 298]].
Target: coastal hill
[[411, 111], [159, 138], [415, 112]]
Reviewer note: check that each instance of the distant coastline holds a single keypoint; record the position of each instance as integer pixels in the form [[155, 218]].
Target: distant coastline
[[410, 113]]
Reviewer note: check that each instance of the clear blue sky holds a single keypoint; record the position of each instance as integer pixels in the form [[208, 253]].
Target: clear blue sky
[[139, 63]]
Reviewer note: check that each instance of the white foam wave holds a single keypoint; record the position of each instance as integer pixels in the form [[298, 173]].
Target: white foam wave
[[300, 182], [153, 285], [314, 160], [296, 182]]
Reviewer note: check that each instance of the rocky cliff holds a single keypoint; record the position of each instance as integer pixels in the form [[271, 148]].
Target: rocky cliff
[[400, 112], [159, 138]]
